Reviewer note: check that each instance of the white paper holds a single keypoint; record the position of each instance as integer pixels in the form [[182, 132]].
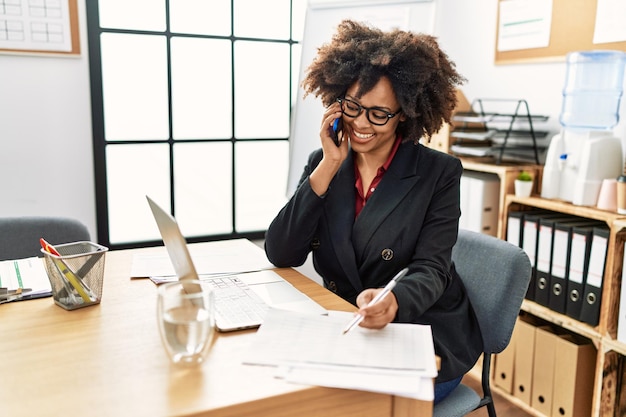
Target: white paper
[[25, 273], [312, 349], [405, 385], [610, 21], [524, 24], [213, 258]]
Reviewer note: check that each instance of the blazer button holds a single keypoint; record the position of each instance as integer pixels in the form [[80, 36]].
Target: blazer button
[[332, 286], [315, 243], [387, 254]]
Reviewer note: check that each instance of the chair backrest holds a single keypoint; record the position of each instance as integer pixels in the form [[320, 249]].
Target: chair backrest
[[19, 236], [496, 274]]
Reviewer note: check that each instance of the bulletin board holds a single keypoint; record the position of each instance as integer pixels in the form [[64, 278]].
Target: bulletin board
[[43, 27], [572, 29]]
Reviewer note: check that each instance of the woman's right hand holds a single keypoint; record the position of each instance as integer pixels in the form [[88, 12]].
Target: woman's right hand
[[331, 150], [334, 155]]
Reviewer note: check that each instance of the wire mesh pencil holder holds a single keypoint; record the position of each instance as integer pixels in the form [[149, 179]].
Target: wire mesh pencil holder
[[76, 275]]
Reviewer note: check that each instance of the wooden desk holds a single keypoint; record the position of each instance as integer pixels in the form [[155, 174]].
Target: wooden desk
[[107, 360]]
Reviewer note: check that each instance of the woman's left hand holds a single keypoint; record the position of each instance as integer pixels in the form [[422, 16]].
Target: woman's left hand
[[380, 314]]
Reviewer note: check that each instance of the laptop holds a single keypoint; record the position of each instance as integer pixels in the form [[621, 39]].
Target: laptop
[[241, 299]]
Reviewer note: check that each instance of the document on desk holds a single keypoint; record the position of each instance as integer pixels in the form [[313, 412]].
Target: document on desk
[[27, 273], [312, 349], [212, 258]]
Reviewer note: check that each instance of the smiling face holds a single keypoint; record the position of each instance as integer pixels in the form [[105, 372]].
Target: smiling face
[[366, 137]]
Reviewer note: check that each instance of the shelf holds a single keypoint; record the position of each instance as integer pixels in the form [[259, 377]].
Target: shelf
[[561, 320], [609, 217], [507, 117], [506, 172], [517, 137], [472, 117], [614, 345], [478, 151], [480, 135], [607, 384], [477, 125]]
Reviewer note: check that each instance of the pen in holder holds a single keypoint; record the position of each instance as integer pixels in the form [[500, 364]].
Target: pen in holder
[[76, 272]]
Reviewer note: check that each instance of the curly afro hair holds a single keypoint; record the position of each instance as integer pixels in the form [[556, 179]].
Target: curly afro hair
[[424, 79]]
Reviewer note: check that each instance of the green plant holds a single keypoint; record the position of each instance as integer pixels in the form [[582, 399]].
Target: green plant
[[524, 176]]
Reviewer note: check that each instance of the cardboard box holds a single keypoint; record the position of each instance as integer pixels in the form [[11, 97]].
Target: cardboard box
[[480, 202], [543, 369], [503, 371], [574, 372], [524, 359]]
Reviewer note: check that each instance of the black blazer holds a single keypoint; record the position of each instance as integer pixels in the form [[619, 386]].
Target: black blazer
[[410, 220]]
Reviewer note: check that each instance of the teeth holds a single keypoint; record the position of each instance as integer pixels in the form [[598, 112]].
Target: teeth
[[363, 135]]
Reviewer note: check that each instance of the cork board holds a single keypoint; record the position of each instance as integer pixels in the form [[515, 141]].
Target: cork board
[[572, 29], [28, 27]]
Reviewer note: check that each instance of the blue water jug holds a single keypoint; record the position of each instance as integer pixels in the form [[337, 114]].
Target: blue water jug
[[593, 89]]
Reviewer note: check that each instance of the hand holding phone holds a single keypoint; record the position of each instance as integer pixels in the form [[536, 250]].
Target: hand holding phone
[[335, 130]]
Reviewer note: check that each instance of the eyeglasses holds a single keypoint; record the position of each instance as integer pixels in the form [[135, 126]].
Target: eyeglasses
[[375, 115]]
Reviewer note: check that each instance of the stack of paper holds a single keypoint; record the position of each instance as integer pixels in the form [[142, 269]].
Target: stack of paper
[[28, 274], [212, 258], [312, 349]]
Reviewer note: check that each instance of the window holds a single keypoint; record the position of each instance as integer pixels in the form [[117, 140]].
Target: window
[[191, 105]]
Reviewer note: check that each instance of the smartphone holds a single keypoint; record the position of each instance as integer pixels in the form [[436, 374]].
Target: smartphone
[[334, 131]]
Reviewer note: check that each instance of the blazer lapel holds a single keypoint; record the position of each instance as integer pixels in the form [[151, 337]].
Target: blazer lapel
[[340, 211]]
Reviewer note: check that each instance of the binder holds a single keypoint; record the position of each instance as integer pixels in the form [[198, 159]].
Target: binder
[[529, 245], [543, 370], [543, 258], [514, 227], [559, 268], [592, 295], [577, 273], [574, 372]]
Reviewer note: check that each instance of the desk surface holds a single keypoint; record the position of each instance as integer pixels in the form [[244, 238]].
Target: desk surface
[[107, 360]]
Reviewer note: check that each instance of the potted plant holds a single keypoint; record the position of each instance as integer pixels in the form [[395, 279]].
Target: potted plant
[[523, 184]]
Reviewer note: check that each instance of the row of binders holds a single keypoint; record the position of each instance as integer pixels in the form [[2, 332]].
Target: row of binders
[[548, 368], [568, 255]]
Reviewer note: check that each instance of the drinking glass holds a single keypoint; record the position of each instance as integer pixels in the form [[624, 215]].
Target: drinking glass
[[186, 316]]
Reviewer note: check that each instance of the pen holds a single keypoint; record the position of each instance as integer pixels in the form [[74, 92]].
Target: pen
[[358, 318]]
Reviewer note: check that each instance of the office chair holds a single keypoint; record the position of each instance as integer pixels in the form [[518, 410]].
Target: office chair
[[19, 236], [496, 274]]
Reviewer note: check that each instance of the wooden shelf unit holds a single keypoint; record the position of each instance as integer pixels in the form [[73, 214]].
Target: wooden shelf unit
[[606, 381], [506, 172]]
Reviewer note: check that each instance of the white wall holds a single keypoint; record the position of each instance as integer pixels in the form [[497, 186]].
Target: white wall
[[46, 162], [467, 33], [45, 118]]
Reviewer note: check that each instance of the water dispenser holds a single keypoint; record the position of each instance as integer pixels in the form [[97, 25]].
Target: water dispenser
[[586, 151]]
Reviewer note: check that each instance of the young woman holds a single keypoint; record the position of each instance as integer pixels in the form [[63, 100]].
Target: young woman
[[380, 201]]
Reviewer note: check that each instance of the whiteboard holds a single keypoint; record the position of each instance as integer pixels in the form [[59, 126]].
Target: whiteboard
[[322, 18]]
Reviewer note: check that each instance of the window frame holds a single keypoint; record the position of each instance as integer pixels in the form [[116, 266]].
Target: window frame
[[100, 144]]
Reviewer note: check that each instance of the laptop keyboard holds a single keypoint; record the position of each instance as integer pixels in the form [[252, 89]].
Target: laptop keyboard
[[235, 303]]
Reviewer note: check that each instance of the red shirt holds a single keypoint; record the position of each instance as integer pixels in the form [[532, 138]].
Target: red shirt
[[362, 199]]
